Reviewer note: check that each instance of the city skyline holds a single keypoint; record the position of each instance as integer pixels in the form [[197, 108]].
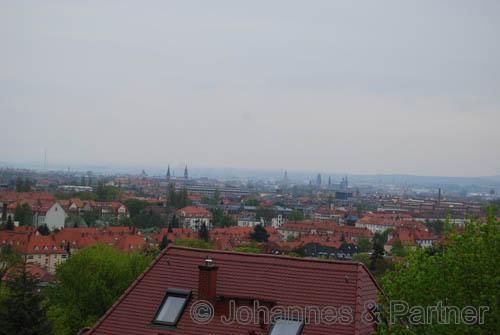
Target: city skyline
[[384, 88]]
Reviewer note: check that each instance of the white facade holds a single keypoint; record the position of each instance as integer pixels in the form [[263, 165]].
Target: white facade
[[195, 223], [374, 228], [249, 222], [277, 222], [425, 243], [48, 261], [55, 217]]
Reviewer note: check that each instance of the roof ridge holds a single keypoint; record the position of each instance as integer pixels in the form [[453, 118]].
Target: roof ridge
[[230, 252]]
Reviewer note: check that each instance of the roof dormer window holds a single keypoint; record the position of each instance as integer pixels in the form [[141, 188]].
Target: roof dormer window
[[172, 307]]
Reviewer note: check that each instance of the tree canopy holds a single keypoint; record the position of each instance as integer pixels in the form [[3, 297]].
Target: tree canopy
[[88, 283], [135, 206], [259, 234], [22, 309], [221, 220], [296, 215], [24, 215], [465, 273], [107, 192], [178, 199]]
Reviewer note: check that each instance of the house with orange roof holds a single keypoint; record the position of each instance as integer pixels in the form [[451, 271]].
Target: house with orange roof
[[329, 214], [45, 251], [381, 221], [35, 271], [411, 238], [194, 217]]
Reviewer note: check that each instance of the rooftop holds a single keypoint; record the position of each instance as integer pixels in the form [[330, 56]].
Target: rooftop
[[276, 280]]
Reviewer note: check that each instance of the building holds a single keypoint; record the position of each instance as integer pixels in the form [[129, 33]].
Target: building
[[55, 216], [50, 251], [167, 299], [45, 252], [249, 221], [209, 191], [294, 230], [194, 217], [381, 221], [410, 238]]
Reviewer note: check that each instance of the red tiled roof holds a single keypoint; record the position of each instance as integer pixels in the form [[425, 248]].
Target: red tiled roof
[[410, 236], [10, 196], [194, 197], [17, 240], [283, 280], [35, 270], [39, 244], [194, 211], [131, 243], [391, 220], [324, 227]]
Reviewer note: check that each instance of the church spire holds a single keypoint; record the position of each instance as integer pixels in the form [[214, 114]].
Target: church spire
[[168, 173], [186, 172]]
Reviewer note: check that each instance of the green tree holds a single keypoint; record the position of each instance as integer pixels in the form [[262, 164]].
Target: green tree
[[465, 273], [203, 233], [135, 206], [220, 219], [90, 217], [436, 227], [362, 258], [43, 230], [174, 223], [22, 309], [259, 234], [88, 283], [9, 225], [8, 258], [107, 192], [252, 202], [75, 221], [19, 184], [24, 215], [215, 199], [398, 249], [378, 264], [296, 215], [164, 242], [23, 185], [178, 199], [266, 213], [364, 245], [149, 218]]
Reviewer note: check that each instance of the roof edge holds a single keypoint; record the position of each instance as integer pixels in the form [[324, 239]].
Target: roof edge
[[300, 259]]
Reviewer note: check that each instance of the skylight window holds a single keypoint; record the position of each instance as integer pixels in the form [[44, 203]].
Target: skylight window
[[287, 327], [172, 307]]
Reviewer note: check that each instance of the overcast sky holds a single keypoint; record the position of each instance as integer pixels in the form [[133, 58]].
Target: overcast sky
[[342, 86]]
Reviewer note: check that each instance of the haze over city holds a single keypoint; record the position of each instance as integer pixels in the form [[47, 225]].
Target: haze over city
[[383, 87]]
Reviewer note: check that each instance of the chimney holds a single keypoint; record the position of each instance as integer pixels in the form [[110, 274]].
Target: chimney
[[207, 282]]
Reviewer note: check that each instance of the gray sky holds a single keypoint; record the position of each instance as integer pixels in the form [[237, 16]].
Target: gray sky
[[342, 86]]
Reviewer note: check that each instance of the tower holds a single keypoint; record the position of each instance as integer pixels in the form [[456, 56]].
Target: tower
[[186, 172], [168, 173], [318, 180]]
